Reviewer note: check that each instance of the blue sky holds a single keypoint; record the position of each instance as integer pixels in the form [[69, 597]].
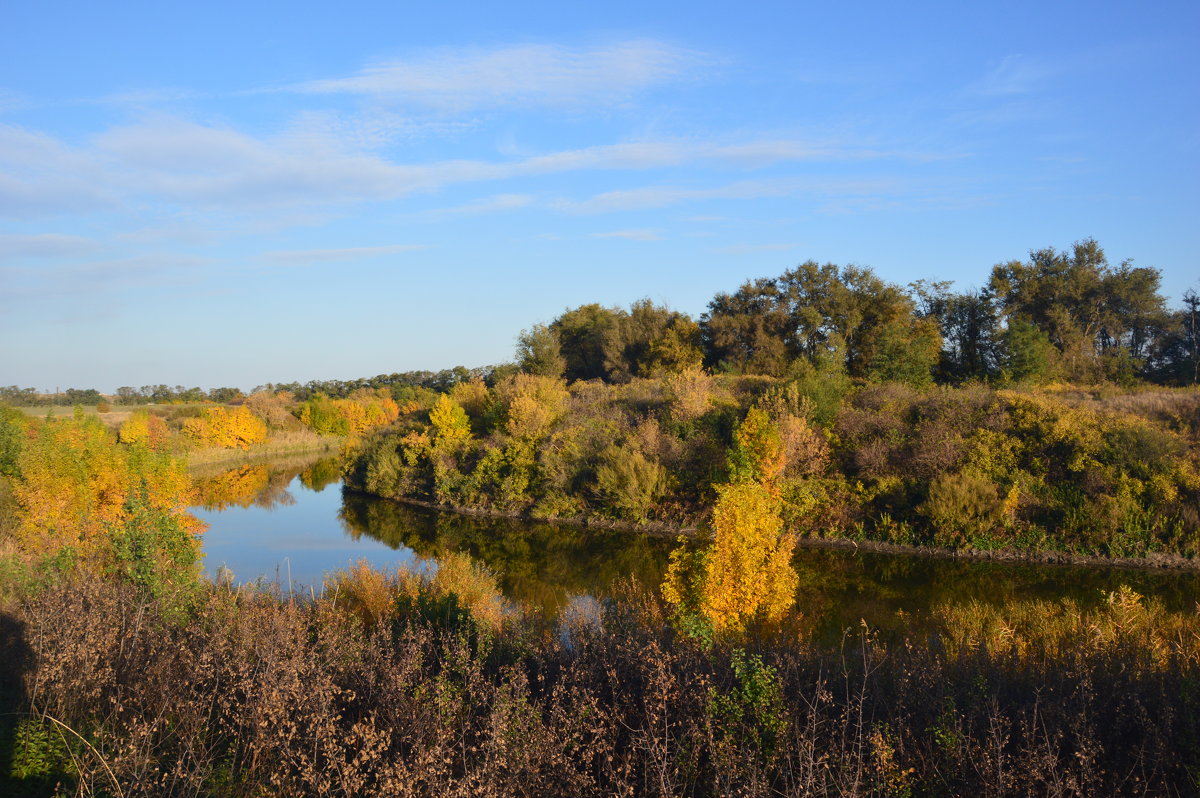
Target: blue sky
[[229, 194]]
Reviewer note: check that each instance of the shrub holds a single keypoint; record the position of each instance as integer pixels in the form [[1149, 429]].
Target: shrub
[[629, 483], [962, 506]]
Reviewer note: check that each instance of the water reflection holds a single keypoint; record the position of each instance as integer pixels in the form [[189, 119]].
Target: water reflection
[[263, 485], [262, 515], [538, 563]]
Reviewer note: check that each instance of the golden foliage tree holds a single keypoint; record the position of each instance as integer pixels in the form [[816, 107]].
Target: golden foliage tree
[[451, 427], [758, 454], [75, 486], [227, 428], [747, 571], [354, 416], [531, 404], [145, 429]]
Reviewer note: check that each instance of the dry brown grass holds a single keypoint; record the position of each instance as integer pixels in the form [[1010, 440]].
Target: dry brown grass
[[258, 693]]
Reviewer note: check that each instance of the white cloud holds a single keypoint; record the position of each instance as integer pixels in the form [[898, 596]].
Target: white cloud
[[148, 97], [186, 162], [631, 235], [295, 257], [531, 74], [116, 276], [196, 166], [662, 196]]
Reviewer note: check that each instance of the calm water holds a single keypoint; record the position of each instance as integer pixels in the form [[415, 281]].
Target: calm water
[[294, 519]]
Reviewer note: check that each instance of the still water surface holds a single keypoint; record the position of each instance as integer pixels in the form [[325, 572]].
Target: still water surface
[[293, 520]]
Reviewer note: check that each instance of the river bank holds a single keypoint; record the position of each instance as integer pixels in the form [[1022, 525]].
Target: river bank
[[1155, 561]]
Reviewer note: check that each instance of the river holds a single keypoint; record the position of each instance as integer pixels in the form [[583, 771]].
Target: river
[[293, 521]]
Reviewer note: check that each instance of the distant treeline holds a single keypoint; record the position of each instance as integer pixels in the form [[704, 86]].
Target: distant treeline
[[438, 381], [1058, 316]]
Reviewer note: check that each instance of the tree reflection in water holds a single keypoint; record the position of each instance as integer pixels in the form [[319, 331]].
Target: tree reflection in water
[[538, 563], [547, 566]]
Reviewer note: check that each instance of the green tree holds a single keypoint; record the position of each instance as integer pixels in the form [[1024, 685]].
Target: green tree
[[650, 341], [582, 334], [538, 352], [1093, 313], [1176, 357], [1027, 353], [970, 330], [770, 323]]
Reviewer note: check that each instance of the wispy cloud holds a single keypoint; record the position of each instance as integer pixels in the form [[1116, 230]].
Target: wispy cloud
[[1015, 74], [298, 257], [192, 165], [12, 101], [494, 204], [530, 74], [662, 196], [46, 245], [111, 277], [41, 176], [631, 235], [148, 97]]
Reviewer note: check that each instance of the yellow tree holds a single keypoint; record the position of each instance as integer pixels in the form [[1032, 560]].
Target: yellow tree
[[227, 428], [75, 485], [144, 429], [747, 571], [451, 427]]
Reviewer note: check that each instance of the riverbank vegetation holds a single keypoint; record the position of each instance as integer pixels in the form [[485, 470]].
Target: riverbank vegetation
[[1101, 472], [1035, 415]]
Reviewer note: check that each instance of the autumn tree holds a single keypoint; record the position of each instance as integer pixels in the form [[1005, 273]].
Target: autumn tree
[[451, 427], [75, 487], [364, 410], [145, 429], [227, 428], [746, 572]]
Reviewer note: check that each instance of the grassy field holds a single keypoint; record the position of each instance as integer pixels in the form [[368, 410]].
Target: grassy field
[[282, 445]]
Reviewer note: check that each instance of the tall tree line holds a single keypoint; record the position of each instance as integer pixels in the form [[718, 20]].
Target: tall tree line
[[1059, 315]]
